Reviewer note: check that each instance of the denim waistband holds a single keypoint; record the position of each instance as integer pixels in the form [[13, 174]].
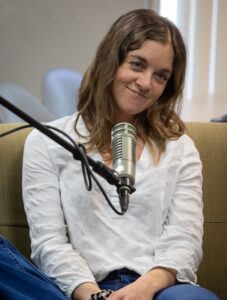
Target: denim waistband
[[117, 273]]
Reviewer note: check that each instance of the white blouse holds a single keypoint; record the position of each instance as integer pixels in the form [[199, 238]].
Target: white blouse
[[76, 237]]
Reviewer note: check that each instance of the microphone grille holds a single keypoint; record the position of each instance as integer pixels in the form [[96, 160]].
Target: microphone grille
[[123, 137]]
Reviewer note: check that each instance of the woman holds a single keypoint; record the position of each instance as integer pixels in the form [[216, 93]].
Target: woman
[[153, 251]]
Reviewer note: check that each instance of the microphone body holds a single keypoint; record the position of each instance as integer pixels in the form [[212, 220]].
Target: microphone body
[[123, 137]]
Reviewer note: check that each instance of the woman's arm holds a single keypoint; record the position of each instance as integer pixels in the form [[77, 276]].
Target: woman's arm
[[180, 245], [51, 249], [84, 291]]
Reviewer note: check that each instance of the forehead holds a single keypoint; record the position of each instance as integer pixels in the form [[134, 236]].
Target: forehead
[[154, 51]]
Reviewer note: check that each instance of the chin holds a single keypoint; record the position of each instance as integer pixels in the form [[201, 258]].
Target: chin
[[127, 114]]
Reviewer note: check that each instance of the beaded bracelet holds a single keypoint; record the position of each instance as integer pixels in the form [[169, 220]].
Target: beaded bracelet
[[103, 295]]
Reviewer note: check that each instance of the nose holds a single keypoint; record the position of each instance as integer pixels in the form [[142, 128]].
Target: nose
[[144, 81]]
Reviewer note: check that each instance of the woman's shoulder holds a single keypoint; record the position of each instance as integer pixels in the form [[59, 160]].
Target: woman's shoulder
[[184, 139], [182, 147]]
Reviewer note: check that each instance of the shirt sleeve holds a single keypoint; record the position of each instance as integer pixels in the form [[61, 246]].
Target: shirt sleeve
[[180, 246], [51, 249]]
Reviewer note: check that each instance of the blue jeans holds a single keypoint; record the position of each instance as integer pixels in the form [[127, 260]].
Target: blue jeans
[[20, 280]]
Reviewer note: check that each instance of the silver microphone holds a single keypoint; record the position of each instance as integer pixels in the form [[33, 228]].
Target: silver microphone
[[123, 137]]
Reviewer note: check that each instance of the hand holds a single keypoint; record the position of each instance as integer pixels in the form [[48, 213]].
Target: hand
[[140, 289], [84, 291], [146, 286]]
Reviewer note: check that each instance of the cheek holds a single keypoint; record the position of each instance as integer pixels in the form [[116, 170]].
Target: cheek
[[115, 90], [118, 86], [124, 75], [159, 90]]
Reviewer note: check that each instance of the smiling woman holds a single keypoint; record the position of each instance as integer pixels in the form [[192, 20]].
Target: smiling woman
[[147, 38], [153, 251], [141, 79]]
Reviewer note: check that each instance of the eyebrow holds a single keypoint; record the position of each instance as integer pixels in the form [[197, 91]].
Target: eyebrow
[[145, 61]]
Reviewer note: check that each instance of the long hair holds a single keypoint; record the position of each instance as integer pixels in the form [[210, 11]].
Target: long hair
[[96, 106]]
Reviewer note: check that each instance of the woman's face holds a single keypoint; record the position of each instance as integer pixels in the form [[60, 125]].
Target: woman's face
[[141, 79]]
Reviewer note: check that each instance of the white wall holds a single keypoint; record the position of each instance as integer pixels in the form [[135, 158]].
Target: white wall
[[36, 35]]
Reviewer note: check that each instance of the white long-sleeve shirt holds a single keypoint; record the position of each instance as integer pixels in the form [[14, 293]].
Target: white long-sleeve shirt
[[76, 237]]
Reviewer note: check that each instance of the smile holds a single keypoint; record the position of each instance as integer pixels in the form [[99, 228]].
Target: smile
[[137, 93]]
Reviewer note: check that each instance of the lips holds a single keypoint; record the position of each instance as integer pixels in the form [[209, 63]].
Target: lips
[[137, 93]]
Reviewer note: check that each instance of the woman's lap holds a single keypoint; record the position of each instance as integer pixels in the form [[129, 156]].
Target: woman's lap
[[22, 281], [179, 291]]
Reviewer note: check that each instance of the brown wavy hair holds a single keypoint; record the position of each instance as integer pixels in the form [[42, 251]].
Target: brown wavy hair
[[96, 106]]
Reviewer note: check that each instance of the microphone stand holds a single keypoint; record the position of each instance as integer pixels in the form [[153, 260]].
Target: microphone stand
[[110, 175]]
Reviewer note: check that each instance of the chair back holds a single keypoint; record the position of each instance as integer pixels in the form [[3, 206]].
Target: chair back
[[25, 101], [60, 91]]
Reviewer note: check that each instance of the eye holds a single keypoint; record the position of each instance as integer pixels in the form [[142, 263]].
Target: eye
[[162, 77], [136, 65]]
